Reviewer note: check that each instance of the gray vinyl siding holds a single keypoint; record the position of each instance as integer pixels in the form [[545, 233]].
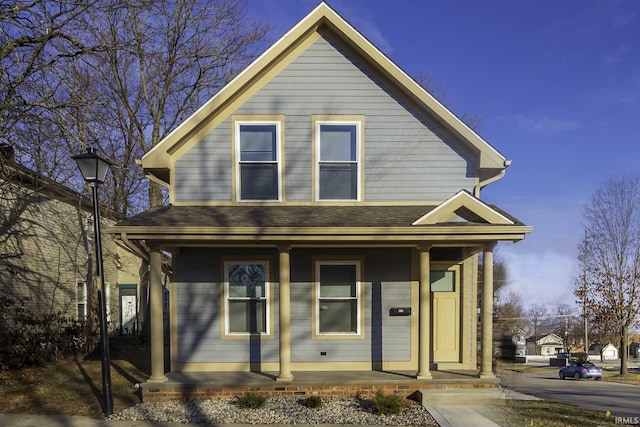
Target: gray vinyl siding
[[386, 284], [199, 314], [404, 157], [204, 172]]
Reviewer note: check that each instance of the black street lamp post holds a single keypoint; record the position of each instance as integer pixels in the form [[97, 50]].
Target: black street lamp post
[[94, 170]]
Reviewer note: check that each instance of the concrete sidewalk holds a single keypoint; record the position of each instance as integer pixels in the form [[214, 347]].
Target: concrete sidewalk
[[459, 408], [450, 408]]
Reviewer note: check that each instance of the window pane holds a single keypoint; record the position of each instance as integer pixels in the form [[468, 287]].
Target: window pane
[[338, 316], [247, 280], [338, 281], [81, 311], [338, 181], [442, 281], [337, 142], [247, 316], [259, 181], [258, 143]]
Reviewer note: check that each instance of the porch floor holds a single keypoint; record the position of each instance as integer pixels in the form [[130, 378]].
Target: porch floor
[[227, 385]]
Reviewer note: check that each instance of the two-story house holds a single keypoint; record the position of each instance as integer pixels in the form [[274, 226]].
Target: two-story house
[[325, 215], [47, 254]]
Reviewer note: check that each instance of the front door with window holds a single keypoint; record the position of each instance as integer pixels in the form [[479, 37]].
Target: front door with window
[[446, 315], [128, 309]]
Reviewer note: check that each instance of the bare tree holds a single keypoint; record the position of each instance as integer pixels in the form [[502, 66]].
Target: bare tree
[[563, 320], [537, 315], [612, 272], [509, 312], [36, 37], [165, 59]]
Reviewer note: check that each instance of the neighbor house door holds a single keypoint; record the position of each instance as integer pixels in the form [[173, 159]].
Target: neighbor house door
[[128, 308], [445, 299]]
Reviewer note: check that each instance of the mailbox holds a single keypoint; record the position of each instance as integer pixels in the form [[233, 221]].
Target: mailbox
[[400, 311]]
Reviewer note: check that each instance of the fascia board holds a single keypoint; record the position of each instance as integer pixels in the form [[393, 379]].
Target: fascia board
[[444, 233]]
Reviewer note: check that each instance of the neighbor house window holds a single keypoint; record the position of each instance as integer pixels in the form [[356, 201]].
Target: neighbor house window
[[246, 290], [338, 150], [257, 153], [337, 298], [107, 301], [81, 298]]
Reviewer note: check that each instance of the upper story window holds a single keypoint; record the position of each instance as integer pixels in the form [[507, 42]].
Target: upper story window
[[338, 152], [258, 160]]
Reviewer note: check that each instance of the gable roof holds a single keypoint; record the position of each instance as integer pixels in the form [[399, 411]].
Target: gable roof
[[463, 207], [24, 177], [157, 161], [550, 339]]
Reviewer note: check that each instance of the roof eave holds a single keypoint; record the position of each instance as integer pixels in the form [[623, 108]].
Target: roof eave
[[447, 233]]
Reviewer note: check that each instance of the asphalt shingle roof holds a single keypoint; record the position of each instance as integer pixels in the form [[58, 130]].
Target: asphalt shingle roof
[[279, 216]]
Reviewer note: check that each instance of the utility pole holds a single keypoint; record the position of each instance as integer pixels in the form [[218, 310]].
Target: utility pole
[[584, 296]]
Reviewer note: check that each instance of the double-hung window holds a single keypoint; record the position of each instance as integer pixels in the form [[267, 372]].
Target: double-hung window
[[246, 290], [338, 298], [81, 298], [258, 164], [338, 151]]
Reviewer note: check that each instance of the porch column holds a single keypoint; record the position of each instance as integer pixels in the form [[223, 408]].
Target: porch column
[[424, 332], [285, 314], [486, 368], [156, 321]]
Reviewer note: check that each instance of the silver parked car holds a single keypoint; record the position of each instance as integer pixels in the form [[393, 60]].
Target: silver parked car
[[579, 370]]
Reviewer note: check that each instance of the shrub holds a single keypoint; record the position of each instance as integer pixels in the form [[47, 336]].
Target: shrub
[[251, 401], [312, 402], [387, 404], [27, 339]]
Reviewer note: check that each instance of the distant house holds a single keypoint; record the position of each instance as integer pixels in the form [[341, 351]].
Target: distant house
[[550, 344], [325, 216], [46, 249], [604, 352]]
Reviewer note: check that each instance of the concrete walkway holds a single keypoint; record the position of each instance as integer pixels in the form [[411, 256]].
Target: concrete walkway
[[459, 408], [450, 408]]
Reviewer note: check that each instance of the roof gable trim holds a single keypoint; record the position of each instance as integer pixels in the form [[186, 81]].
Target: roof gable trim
[[463, 202], [160, 155]]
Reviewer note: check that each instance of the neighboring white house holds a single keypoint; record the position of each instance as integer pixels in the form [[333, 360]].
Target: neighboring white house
[[608, 352], [550, 344]]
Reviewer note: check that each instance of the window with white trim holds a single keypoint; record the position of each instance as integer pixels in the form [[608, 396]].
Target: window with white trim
[[246, 291], [258, 163], [338, 160], [81, 298], [338, 298], [107, 301]]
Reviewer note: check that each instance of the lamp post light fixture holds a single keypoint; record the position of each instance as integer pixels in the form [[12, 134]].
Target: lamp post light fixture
[[94, 170]]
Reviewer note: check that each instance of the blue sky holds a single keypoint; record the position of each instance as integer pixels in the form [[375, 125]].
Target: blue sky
[[557, 84]]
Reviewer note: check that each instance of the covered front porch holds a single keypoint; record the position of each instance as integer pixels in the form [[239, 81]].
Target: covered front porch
[[228, 385], [401, 246]]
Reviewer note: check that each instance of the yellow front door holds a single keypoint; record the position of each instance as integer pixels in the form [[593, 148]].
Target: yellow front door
[[445, 292]]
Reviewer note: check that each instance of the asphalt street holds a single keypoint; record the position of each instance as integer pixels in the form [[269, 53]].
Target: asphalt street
[[620, 400]]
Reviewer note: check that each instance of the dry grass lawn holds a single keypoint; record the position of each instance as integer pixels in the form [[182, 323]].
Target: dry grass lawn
[[74, 387]]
